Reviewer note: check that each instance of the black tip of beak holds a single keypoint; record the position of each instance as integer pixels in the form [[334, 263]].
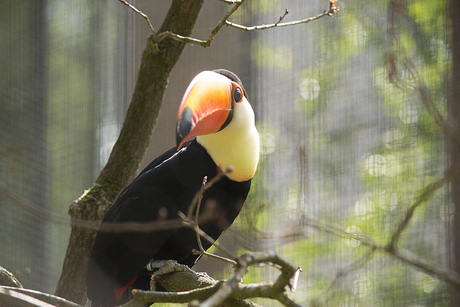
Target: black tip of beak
[[184, 125]]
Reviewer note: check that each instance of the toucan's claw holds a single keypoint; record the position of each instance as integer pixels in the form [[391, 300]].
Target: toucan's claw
[[164, 267]]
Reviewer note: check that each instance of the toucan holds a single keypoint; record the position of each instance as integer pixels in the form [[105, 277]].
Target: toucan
[[215, 134]]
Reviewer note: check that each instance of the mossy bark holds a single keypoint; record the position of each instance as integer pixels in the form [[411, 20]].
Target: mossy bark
[[156, 65]]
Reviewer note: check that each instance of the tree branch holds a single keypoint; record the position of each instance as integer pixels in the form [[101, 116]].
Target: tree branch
[[403, 255], [422, 89], [191, 224], [196, 203], [27, 297], [206, 43], [140, 13], [336, 230], [332, 9], [449, 174], [8, 279], [344, 272], [218, 293], [432, 269], [191, 40], [231, 1], [430, 106], [129, 149], [157, 62]]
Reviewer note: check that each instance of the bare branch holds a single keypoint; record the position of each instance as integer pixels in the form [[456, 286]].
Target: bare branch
[[196, 202], [271, 290], [8, 279], [432, 269], [90, 224], [31, 208], [403, 255], [217, 293], [450, 173], [146, 227], [282, 16], [231, 1], [391, 249], [195, 41], [336, 230], [15, 155], [25, 297], [344, 272], [191, 224], [430, 106], [141, 297], [422, 90], [205, 253], [140, 13], [205, 185], [332, 9]]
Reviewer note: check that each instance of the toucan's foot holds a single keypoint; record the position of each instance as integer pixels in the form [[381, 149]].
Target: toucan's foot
[[163, 267]]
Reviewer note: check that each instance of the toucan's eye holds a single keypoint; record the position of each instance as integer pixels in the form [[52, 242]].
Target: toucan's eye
[[237, 95]]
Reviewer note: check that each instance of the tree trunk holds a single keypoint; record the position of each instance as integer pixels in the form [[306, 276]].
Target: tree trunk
[[453, 107], [129, 149]]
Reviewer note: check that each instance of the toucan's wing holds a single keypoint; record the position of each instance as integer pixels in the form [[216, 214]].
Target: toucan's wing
[[165, 187]]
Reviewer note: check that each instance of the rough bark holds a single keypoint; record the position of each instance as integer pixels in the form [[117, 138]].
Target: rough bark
[[453, 107], [126, 156], [181, 282]]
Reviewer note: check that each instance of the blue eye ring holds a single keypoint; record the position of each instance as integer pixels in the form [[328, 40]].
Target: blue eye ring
[[237, 95]]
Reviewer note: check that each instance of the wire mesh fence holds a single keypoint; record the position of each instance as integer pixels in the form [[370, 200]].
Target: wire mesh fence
[[348, 110]]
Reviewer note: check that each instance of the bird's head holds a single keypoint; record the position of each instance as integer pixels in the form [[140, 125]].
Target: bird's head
[[216, 110]]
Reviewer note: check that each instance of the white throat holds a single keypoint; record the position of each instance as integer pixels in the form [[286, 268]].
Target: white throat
[[237, 145]]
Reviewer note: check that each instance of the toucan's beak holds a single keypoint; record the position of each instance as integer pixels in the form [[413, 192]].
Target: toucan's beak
[[206, 106]]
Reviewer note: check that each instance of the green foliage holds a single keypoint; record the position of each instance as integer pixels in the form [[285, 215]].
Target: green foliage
[[405, 46]]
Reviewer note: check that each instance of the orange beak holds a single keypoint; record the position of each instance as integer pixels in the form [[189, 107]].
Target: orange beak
[[205, 108]]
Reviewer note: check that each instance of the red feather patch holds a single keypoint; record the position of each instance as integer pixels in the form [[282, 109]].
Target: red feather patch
[[119, 292]]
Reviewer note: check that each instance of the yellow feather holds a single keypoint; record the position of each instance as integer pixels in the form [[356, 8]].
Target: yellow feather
[[237, 145]]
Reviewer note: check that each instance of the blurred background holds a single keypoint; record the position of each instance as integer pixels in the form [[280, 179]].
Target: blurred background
[[346, 139]]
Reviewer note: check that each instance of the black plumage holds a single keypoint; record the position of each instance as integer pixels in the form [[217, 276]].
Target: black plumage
[[163, 188]]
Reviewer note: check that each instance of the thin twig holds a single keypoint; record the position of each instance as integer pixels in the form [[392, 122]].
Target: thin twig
[[205, 253], [191, 224], [17, 153], [224, 21], [199, 42], [282, 16], [206, 185], [344, 272], [430, 106], [332, 9], [140, 13], [216, 294], [231, 1], [423, 91], [33, 209], [450, 173], [336, 230], [58, 219], [197, 213], [399, 253], [432, 269], [146, 227], [276, 290], [12, 296], [224, 292], [202, 251], [144, 297]]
